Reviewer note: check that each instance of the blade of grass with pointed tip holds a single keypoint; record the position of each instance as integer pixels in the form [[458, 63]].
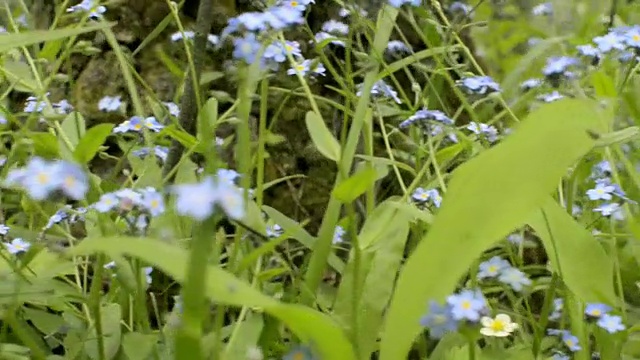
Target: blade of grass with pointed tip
[[11, 41], [487, 198], [224, 288], [575, 254]]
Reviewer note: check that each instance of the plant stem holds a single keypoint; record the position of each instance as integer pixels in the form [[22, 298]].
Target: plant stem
[[188, 345], [191, 102], [322, 247]]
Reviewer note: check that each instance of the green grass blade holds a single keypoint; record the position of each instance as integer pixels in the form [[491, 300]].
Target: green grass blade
[[222, 287], [12, 41], [585, 267], [487, 198]]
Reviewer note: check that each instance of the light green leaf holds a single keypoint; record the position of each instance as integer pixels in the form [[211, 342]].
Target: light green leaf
[[138, 346], [354, 186], [71, 130], [603, 84], [19, 73], [575, 254], [487, 198], [111, 334], [45, 144], [246, 337], [91, 142], [222, 287], [148, 171], [14, 40], [322, 138], [382, 240], [617, 137]]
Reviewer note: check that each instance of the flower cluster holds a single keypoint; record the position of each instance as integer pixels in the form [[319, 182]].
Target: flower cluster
[[479, 85], [159, 151], [136, 204], [110, 103], [15, 246], [33, 105], [423, 197], [499, 268], [605, 191], [68, 214], [41, 179], [598, 313], [399, 3], [138, 124], [489, 132], [95, 11], [214, 40], [433, 122], [338, 235], [466, 307], [380, 89], [621, 43], [199, 200]]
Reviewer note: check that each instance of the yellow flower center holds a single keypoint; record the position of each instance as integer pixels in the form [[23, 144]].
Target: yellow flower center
[[569, 342], [137, 126], [596, 312], [300, 67], [294, 3], [498, 325], [154, 204], [466, 305], [636, 37], [493, 268], [298, 356], [43, 178], [70, 181]]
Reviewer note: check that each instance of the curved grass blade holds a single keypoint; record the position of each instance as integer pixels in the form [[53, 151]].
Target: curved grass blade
[[488, 197], [222, 287]]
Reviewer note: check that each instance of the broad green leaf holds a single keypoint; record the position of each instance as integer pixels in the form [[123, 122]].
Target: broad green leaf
[[575, 254], [137, 346], [71, 130], [111, 333], [46, 322], [382, 240], [45, 145], [148, 171], [19, 74], [14, 40], [247, 336], [603, 84], [322, 138], [222, 287], [91, 142], [487, 198], [354, 186]]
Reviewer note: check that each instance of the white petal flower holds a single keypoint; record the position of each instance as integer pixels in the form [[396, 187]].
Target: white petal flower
[[501, 326]]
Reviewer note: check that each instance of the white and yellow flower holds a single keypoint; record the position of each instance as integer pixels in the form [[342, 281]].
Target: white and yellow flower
[[500, 326]]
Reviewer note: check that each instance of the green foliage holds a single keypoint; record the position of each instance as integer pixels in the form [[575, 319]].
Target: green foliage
[[223, 288], [480, 208], [341, 211]]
